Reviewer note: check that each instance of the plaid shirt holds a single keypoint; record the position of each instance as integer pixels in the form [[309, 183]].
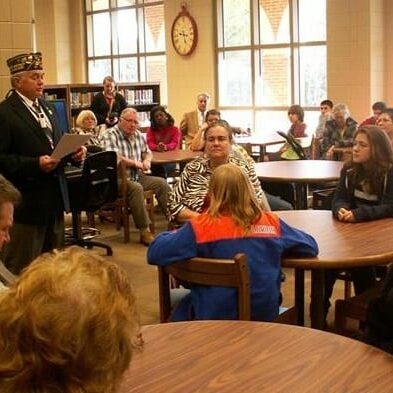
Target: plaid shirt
[[133, 147]]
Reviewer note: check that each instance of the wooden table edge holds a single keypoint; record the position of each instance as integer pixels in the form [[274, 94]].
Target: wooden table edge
[[302, 180], [313, 263]]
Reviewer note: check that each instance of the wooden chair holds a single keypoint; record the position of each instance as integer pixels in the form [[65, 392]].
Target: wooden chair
[[207, 271], [315, 153], [217, 272], [287, 316], [119, 211], [355, 308], [342, 153], [149, 200]]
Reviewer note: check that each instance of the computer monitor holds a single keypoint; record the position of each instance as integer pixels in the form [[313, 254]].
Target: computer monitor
[[60, 106]]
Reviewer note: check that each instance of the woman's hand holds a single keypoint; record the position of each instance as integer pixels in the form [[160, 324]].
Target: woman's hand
[[161, 146], [345, 215], [329, 153]]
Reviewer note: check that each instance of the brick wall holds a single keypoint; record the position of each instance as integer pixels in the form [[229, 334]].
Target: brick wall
[[16, 35], [275, 63]]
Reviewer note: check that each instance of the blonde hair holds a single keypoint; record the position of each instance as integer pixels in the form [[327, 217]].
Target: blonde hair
[[231, 193], [83, 115], [68, 324]]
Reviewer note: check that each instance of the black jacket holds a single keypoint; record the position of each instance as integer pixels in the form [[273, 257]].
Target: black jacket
[[345, 197], [100, 106], [22, 142]]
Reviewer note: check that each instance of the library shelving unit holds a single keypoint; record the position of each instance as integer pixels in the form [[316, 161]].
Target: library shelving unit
[[141, 96]]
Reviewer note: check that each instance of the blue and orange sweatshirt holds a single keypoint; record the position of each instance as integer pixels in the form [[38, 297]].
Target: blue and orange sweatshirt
[[264, 245]]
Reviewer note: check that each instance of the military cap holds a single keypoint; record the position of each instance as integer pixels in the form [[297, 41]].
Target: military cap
[[25, 62]]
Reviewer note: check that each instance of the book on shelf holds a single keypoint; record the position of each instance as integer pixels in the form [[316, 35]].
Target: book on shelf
[[144, 119], [49, 97], [81, 99], [138, 96]]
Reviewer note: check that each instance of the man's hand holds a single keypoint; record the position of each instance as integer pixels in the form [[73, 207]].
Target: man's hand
[[48, 164], [80, 154], [146, 164], [138, 165]]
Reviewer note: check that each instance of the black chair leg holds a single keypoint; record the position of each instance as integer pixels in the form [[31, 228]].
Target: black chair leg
[[92, 243], [77, 237]]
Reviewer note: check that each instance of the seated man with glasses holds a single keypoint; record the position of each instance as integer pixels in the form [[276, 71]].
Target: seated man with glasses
[[131, 148]]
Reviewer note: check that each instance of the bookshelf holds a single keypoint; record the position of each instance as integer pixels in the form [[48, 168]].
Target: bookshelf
[[141, 96]]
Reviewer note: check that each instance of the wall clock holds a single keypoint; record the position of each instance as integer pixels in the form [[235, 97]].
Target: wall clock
[[184, 33]]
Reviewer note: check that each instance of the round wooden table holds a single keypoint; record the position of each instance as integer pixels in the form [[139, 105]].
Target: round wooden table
[[240, 356], [262, 141], [341, 246], [299, 172], [174, 156]]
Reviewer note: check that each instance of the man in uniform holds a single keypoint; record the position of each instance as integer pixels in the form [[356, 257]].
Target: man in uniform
[[29, 133]]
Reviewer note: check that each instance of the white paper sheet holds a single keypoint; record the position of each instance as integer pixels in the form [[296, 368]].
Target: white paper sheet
[[69, 143]]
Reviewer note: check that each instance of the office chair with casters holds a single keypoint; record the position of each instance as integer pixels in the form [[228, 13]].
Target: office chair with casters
[[95, 186], [207, 271]]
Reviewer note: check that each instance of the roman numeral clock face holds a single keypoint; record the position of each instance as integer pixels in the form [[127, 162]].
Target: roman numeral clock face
[[184, 34]]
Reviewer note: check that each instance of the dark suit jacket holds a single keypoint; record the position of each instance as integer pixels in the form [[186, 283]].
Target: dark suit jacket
[[22, 141], [100, 106]]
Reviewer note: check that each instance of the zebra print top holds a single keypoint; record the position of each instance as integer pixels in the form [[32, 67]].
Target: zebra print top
[[191, 189]]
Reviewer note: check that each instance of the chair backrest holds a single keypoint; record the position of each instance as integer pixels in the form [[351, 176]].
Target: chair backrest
[[122, 176], [207, 271], [296, 146], [315, 148], [97, 184]]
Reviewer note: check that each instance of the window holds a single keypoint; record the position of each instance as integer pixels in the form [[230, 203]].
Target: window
[[271, 54], [126, 39]]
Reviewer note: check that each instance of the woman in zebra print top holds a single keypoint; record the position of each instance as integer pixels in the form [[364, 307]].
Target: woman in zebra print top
[[189, 197]]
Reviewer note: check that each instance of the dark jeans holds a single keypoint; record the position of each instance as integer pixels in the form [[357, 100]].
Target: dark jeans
[[363, 278], [276, 203]]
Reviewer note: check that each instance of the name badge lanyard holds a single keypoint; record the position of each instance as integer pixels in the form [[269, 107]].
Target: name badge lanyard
[[42, 121]]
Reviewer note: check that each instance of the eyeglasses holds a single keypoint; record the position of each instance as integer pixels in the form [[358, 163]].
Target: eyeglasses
[[136, 122]]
